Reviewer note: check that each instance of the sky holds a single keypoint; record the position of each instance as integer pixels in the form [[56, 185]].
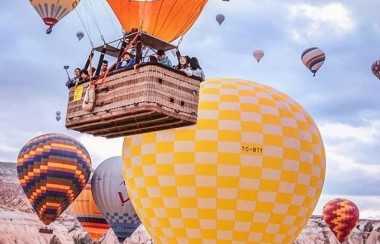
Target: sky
[[343, 97]]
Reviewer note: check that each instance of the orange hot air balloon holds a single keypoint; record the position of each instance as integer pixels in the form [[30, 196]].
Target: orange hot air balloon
[[164, 19], [341, 216], [88, 213]]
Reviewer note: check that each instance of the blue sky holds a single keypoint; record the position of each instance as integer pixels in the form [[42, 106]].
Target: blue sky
[[342, 98]]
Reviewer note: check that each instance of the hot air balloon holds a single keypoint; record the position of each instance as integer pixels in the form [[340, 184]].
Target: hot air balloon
[[58, 115], [88, 214], [52, 170], [164, 19], [250, 171], [80, 35], [258, 54], [341, 216], [313, 58], [376, 68], [220, 18], [111, 197], [52, 11]]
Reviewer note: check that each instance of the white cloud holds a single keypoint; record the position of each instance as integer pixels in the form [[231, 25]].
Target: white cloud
[[364, 134], [101, 148], [311, 22]]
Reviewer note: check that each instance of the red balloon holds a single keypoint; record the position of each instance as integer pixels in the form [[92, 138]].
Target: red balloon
[[341, 216], [376, 68]]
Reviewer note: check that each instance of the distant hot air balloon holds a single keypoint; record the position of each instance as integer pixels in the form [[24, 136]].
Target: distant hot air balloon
[[313, 58], [341, 216], [164, 19], [88, 214], [220, 18], [376, 68], [52, 170], [58, 115], [110, 195], [52, 11], [250, 171], [258, 54], [80, 35]]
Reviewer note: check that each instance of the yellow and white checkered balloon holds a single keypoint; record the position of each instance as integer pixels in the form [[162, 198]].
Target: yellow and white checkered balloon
[[250, 171]]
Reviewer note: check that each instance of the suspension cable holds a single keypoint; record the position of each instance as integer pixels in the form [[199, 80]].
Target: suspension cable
[[109, 16], [84, 27], [90, 11]]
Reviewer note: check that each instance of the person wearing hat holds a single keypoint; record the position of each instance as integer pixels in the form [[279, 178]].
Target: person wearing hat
[[163, 59], [127, 61]]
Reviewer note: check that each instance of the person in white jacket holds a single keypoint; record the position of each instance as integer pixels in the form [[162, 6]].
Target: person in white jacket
[[196, 68]]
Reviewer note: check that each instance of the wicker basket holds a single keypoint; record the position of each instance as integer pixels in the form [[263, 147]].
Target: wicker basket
[[151, 99]]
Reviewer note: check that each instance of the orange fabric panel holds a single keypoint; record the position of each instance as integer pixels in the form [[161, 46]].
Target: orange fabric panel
[[164, 19], [89, 215]]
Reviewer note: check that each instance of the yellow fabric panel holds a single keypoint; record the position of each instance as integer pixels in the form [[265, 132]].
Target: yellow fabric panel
[[164, 19]]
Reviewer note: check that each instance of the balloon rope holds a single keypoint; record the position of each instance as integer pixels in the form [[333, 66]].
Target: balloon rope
[[84, 27], [92, 14], [103, 77], [109, 16]]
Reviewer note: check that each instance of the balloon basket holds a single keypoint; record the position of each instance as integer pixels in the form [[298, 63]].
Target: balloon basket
[[45, 230], [129, 102]]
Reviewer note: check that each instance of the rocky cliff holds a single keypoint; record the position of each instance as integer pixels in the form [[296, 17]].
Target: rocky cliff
[[19, 224]]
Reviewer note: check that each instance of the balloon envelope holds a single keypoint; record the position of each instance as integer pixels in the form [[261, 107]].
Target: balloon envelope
[[341, 216], [313, 58], [164, 19], [220, 18], [58, 117], [250, 171], [258, 54], [80, 35], [52, 11], [58, 112], [110, 195], [88, 214], [52, 170], [375, 68]]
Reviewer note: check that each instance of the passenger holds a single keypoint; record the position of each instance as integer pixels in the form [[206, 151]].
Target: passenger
[[75, 79], [104, 67], [196, 68], [183, 63], [163, 59], [84, 75], [127, 61], [184, 66], [152, 59]]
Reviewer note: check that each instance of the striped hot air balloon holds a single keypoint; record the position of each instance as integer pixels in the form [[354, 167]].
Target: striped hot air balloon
[[341, 216], [110, 195], [313, 58], [52, 11], [53, 169], [88, 214], [376, 68]]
